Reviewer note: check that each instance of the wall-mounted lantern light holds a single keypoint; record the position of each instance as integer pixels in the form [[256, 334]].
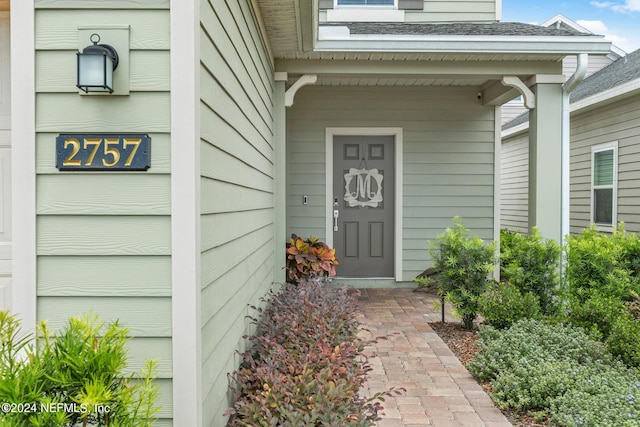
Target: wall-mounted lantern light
[[96, 64]]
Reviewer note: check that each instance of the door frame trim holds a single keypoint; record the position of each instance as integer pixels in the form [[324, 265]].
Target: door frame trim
[[396, 132]]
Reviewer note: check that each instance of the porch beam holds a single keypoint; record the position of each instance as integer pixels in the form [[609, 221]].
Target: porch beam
[[450, 69], [496, 93]]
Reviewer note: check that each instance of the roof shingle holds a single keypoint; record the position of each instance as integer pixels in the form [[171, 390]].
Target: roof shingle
[[459, 29]]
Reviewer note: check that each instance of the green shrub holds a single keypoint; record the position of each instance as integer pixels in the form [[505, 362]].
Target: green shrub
[[465, 263], [605, 399], [503, 304], [305, 366], [531, 341], [79, 369], [623, 339], [531, 263], [596, 260], [558, 372], [603, 287], [309, 258]]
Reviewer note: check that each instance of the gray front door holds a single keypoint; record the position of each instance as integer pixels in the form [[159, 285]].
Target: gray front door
[[363, 184]]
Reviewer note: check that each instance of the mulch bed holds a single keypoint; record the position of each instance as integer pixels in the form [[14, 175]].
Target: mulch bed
[[462, 343]]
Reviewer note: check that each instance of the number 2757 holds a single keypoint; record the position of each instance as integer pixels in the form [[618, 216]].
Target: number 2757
[[103, 152], [110, 149]]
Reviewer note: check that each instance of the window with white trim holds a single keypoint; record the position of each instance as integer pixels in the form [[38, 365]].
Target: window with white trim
[[604, 184], [366, 2]]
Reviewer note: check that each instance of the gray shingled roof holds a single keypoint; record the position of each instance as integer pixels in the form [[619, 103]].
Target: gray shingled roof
[[619, 72], [460, 29], [522, 118]]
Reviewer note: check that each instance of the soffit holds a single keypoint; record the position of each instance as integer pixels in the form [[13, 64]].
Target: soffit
[[291, 33], [281, 19]]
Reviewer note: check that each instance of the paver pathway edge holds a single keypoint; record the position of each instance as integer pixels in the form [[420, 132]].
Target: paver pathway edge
[[439, 390]]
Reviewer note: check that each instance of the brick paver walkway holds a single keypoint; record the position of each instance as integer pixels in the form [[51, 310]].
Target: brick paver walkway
[[439, 390]]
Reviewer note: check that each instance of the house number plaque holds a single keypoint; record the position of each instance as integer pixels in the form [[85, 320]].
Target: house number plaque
[[103, 152]]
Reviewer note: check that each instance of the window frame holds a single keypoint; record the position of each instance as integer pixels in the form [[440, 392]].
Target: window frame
[[609, 146], [364, 6]]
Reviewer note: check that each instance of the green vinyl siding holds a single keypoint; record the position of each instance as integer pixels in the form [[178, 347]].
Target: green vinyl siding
[[454, 11], [448, 11], [56, 71], [160, 155], [514, 183], [617, 121], [104, 239], [237, 200], [448, 144]]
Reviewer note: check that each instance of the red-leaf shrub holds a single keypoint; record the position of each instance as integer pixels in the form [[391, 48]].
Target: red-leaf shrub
[[305, 367]]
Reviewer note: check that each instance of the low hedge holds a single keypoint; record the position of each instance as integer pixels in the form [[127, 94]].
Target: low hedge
[[305, 364], [557, 373]]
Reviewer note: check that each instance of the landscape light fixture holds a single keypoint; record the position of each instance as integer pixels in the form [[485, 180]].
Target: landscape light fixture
[[96, 64]]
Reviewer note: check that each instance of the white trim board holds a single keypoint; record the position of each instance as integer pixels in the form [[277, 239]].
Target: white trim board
[[398, 212], [23, 162], [497, 186], [185, 213]]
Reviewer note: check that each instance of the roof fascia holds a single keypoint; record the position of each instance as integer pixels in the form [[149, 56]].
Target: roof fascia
[[515, 130], [489, 68], [615, 53], [608, 96], [593, 45]]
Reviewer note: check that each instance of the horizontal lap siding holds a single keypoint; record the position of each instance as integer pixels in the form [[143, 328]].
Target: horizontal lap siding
[[454, 11], [103, 239], [448, 158], [514, 184], [236, 156], [448, 11], [615, 122]]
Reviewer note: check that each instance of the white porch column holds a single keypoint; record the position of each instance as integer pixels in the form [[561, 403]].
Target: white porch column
[[185, 214], [280, 175], [545, 158]]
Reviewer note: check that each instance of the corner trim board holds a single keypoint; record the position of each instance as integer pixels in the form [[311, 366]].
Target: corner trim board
[[185, 215], [23, 164]]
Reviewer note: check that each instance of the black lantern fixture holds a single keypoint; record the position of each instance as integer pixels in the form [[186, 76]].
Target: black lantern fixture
[[96, 64]]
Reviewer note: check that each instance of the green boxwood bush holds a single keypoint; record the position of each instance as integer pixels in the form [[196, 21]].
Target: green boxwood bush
[[603, 284], [305, 365], [503, 304], [74, 377], [531, 263]]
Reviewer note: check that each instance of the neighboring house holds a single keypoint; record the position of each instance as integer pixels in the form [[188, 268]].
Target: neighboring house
[[515, 107], [266, 117], [605, 149]]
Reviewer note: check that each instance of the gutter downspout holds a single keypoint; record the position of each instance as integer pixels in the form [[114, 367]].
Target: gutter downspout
[[567, 88]]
